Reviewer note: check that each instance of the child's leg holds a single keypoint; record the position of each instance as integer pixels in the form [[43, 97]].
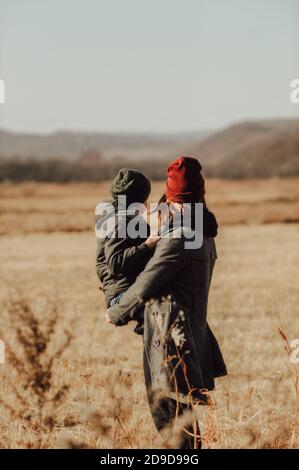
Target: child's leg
[[116, 299]]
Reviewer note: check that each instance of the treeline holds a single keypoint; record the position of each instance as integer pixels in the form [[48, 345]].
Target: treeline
[[62, 171]]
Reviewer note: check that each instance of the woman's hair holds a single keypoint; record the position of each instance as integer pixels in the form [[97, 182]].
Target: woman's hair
[[163, 200], [163, 215]]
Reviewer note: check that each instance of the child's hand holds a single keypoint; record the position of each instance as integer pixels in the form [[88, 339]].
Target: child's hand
[[152, 241]]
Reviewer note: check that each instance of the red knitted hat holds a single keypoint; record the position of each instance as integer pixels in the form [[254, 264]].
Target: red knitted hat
[[185, 182]]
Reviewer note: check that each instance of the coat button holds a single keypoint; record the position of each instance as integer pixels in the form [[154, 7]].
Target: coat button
[[157, 343]]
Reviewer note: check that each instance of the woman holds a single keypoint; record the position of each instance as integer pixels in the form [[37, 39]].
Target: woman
[[181, 354]]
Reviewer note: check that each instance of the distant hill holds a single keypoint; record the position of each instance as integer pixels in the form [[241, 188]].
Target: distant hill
[[71, 145], [251, 149], [244, 150]]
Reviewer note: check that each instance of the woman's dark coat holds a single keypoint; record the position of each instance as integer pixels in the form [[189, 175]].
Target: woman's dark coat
[[181, 354]]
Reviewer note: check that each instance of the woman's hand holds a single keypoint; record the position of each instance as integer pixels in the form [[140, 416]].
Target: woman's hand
[[108, 319], [152, 241]]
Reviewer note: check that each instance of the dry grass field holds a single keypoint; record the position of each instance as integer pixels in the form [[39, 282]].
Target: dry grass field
[[71, 380]]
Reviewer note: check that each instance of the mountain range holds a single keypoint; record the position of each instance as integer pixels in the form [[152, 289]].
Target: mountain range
[[251, 149], [247, 149], [71, 145]]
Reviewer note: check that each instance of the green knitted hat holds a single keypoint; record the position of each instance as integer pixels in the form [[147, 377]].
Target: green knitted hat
[[132, 184]]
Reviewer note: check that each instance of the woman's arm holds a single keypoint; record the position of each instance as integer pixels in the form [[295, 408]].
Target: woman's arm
[[167, 261]]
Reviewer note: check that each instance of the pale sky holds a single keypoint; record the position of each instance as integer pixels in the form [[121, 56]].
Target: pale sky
[[146, 65]]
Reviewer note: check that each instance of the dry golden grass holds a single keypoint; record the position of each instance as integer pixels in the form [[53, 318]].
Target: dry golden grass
[[93, 395], [47, 208]]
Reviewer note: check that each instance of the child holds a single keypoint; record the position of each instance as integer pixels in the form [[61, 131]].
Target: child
[[119, 260]]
